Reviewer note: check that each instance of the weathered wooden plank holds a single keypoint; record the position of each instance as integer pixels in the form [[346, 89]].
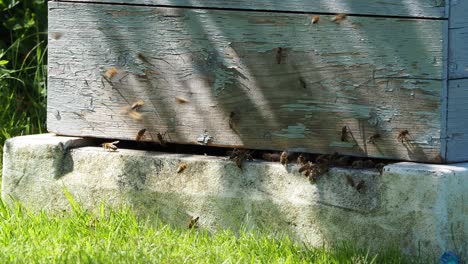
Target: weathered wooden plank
[[457, 116], [290, 83], [458, 39], [410, 8]]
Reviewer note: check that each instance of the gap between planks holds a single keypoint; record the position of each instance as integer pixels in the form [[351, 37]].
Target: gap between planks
[[250, 10]]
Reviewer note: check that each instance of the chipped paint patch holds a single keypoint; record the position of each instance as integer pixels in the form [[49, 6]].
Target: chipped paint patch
[[297, 131], [353, 110]]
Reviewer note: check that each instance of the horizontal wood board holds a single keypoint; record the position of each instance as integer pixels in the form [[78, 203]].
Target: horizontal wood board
[[458, 39], [407, 8], [373, 75]]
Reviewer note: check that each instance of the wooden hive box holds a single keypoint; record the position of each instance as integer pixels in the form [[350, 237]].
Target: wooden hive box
[[265, 74]]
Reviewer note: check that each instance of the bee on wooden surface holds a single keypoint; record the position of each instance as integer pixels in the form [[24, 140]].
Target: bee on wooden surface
[[300, 159], [182, 167], [279, 55], [111, 72], [181, 100], [373, 138], [439, 159], [193, 222], [338, 18], [56, 35], [344, 133], [284, 158], [403, 136], [232, 120], [357, 164], [161, 138], [141, 135], [315, 19], [273, 157], [110, 146]]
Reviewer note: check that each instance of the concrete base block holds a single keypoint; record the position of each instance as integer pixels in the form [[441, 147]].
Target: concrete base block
[[420, 208]]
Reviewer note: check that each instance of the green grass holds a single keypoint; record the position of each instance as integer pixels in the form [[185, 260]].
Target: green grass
[[23, 75], [118, 236]]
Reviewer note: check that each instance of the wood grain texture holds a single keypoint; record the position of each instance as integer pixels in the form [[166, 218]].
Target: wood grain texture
[[457, 116], [458, 39], [410, 8], [291, 84]]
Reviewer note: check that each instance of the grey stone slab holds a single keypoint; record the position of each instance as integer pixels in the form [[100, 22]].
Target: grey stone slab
[[414, 206]]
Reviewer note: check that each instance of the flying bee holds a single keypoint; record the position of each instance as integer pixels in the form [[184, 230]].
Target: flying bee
[[140, 135], [181, 100], [403, 136], [315, 19], [338, 18], [132, 111], [111, 72], [344, 133], [284, 158], [135, 115], [373, 138], [110, 146], [144, 59], [193, 222], [182, 167], [279, 55], [137, 104]]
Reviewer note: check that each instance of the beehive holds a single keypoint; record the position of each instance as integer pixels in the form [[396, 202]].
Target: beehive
[[389, 79]]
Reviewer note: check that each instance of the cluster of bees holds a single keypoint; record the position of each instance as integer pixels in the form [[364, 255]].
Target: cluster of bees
[[309, 167]]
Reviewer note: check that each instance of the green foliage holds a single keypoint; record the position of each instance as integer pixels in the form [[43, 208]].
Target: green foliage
[[23, 45], [118, 236]]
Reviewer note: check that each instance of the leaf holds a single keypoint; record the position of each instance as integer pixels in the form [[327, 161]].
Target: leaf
[[3, 62]]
